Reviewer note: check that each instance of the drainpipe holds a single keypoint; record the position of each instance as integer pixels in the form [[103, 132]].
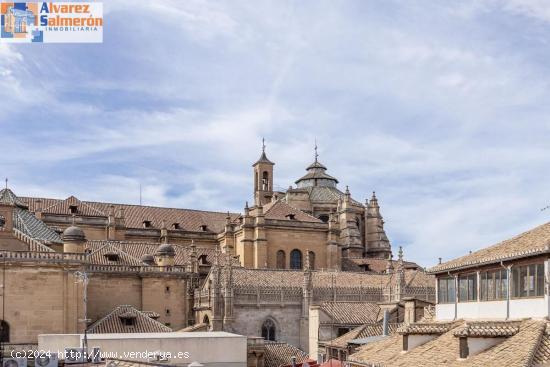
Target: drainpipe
[[508, 274]]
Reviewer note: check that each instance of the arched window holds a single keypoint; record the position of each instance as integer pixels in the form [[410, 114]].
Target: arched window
[[281, 259], [311, 256], [269, 330], [324, 218], [206, 320], [296, 259], [265, 181], [4, 332]]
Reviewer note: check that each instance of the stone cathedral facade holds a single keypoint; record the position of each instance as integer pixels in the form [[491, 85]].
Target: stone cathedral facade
[[147, 268]]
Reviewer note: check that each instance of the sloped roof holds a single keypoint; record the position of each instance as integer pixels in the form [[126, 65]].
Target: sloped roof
[[112, 323], [373, 264], [352, 312], [278, 353], [360, 332], [271, 278], [195, 328], [279, 210], [188, 219], [7, 197], [533, 242], [130, 253], [33, 227], [517, 350]]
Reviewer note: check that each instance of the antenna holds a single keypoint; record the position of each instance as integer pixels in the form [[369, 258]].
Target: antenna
[[263, 145], [6, 182], [316, 154]]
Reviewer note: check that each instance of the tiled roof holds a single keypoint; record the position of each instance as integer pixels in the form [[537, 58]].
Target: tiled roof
[[488, 329], [360, 332], [112, 323], [533, 242], [27, 223], [327, 194], [351, 313], [7, 197], [277, 354], [426, 328], [271, 278], [372, 264], [521, 349], [130, 253], [542, 355], [280, 210], [188, 219]]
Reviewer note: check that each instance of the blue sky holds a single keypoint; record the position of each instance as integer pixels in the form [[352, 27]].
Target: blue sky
[[442, 107]]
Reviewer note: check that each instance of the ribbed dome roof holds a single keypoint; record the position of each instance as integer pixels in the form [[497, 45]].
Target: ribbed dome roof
[[165, 250], [73, 233]]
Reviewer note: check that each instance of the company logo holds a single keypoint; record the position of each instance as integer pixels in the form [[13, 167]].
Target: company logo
[[53, 22]]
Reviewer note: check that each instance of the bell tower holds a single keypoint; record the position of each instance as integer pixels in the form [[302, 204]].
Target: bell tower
[[263, 179]]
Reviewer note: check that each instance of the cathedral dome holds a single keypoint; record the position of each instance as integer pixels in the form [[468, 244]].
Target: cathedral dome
[[73, 233], [165, 250]]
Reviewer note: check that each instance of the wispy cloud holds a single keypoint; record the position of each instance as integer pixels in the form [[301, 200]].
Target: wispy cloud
[[439, 107]]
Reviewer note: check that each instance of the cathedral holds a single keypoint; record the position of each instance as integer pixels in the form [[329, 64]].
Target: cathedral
[[70, 265]]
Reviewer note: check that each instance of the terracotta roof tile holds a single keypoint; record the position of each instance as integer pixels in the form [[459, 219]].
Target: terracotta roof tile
[[112, 323], [533, 242], [280, 210], [360, 332], [488, 328], [277, 354], [351, 313]]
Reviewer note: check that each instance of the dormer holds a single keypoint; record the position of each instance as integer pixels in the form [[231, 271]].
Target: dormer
[[146, 223], [128, 319], [176, 226], [112, 256], [73, 209], [290, 216], [478, 336], [203, 227], [417, 334]]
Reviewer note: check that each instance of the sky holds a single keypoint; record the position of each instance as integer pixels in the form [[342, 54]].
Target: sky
[[441, 107]]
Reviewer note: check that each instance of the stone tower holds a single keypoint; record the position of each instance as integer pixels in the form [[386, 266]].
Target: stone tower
[[263, 179], [378, 245]]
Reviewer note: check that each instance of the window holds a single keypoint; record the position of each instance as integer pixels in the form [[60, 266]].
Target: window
[[176, 226], [494, 285], [281, 259], [528, 281], [2, 222], [446, 290], [167, 289], [467, 287], [311, 259], [324, 217], [73, 209], [167, 312], [296, 259], [128, 321], [265, 181], [4, 332], [291, 216], [146, 224], [204, 227], [206, 320], [268, 330]]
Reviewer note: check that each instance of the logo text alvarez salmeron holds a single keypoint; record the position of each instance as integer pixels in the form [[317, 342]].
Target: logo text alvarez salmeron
[[51, 22]]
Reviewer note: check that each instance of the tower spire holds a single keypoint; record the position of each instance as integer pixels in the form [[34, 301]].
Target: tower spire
[[6, 182], [263, 145], [316, 153]]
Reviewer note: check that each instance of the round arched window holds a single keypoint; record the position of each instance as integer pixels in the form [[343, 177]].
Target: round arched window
[[269, 330]]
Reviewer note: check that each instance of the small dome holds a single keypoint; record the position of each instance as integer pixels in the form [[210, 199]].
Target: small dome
[[73, 233], [165, 250], [148, 259]]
